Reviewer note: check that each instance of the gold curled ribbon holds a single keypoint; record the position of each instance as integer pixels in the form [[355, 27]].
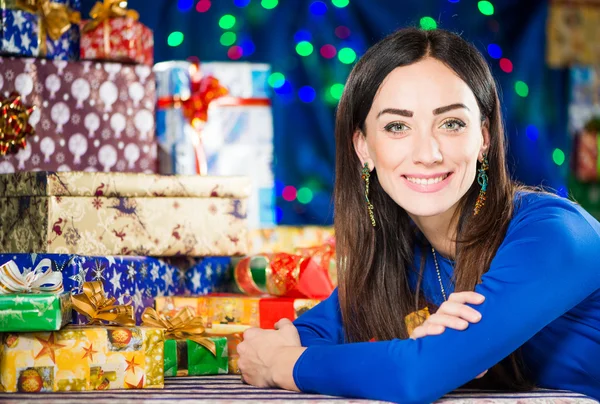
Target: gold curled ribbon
[[103, 11], [41, 280], [184, 325], [14, 124], [94, 304], [55, 18]]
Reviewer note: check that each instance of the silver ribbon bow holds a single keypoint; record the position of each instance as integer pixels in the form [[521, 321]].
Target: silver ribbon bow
[[41, 280]]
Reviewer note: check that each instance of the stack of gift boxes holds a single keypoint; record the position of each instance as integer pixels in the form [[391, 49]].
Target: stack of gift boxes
[[108, 269]]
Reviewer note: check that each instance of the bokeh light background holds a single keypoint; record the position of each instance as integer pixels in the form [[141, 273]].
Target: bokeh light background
[[312, 46]]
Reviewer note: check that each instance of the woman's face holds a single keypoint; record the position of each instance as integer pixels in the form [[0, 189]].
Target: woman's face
[[424, 137]]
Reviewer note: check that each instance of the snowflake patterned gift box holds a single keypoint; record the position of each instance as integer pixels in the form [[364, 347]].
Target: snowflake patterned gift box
[[88, 116], [82, 358], [126, 278], [45, 29], [114, 33], [100, 214]]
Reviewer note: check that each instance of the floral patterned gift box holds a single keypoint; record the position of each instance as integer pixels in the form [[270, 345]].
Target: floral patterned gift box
[[122, 214]]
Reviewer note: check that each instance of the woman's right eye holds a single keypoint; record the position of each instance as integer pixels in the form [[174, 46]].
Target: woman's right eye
[[396, 127]]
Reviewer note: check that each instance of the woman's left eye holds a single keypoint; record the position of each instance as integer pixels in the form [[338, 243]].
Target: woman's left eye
[[453, 125]]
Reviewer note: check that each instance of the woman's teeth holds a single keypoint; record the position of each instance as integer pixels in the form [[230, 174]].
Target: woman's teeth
[[428, 181]]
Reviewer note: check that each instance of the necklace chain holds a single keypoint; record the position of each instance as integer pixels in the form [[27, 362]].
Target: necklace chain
[[439, 275]]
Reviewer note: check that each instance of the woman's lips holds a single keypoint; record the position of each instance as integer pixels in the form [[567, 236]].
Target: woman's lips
[[426, 187]]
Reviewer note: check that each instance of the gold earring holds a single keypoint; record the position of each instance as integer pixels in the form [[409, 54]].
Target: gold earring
[[366, 174]]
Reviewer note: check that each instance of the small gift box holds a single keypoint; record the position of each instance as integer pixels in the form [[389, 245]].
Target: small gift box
[[114, 33], [41, 28], [188, 350], [228, 313], [586, 152], [93, 357], [32, 300]]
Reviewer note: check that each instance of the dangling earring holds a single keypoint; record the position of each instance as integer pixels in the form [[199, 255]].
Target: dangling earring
[[365, 176], [482, 180]]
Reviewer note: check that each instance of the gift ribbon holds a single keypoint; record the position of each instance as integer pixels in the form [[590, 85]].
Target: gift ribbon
[[41, 280], [184, 325], [14, 124], [283, 274], [103, 11], [55, 18], [94, 304]]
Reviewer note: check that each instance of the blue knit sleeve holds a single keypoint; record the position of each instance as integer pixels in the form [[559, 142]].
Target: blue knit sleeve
[[322, 325], [547, 264]]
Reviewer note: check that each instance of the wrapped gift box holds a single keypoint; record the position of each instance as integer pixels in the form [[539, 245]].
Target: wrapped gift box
[[121, 39], [287, 239], [34, 312], [188, 358], [25, 30], [204, 275], [239, 128], [135, 279], [570, 25], [99, 214], [83, 358], [88, 117], [228, 314]]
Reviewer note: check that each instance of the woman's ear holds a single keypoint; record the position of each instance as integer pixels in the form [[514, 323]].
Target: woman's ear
[[485, 133], [362, 149]]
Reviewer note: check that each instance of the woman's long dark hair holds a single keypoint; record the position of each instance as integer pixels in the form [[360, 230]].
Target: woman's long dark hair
[[374, 263]]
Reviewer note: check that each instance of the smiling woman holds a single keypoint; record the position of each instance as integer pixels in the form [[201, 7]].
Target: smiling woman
[[428, 220]]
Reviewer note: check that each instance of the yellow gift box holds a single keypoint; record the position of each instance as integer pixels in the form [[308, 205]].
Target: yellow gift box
[[287, 239], [100, 214], [83, 358]]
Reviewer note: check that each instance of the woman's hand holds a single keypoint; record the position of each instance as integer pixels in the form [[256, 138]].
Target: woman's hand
[[453, 313], [267, 357]]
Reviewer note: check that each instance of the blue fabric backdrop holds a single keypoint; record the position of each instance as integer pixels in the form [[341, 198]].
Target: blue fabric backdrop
[[304, 145]]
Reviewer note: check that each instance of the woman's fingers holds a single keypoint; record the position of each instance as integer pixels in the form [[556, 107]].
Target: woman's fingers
[[460, 310], [448, 321], [427, 329], [466, 297]]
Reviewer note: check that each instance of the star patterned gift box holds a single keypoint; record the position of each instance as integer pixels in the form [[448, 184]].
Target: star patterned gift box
[[135, 279], [34, 312], [88, 116], [28, 31], [100, 214], [82, 358]]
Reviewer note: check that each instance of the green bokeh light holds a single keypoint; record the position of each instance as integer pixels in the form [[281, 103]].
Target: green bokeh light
[[428, 23], [521, 88], [347, 55], [228, 38], [304, 48], [485, 7], [336, 91], [558, 156], [340, 3], [269, 4], [276, 80], [227, 21], [304, 195], [175, 38]]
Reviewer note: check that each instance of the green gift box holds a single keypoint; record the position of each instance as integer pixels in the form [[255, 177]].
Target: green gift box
[[184, 357], [22, 312]]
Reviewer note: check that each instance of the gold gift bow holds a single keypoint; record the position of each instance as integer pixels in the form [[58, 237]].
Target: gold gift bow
[[94, 304], [102, 12], [55, 19], [13, 281], [185, 325]]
